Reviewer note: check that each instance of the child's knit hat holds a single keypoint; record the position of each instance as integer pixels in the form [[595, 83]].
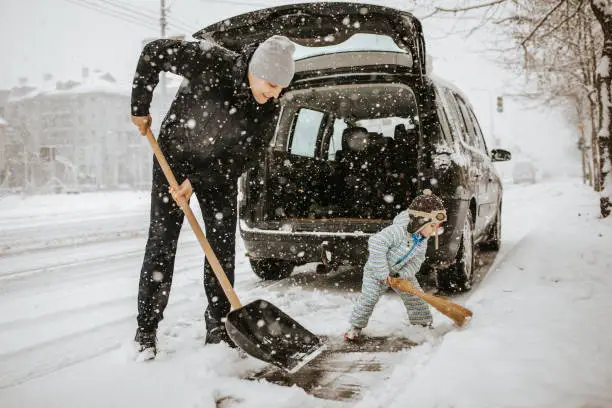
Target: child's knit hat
[[426, 202]]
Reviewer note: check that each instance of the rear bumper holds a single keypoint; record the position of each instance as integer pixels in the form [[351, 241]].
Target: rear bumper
[[303, 247]]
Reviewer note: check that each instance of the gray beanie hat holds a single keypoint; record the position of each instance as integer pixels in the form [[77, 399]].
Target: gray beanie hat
[[273, 61]]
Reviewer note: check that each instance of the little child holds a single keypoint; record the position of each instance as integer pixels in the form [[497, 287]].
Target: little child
[[398, 250]]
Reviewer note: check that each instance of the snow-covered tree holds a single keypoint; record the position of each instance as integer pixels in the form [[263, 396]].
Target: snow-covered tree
[[603, 11], [557, 45]]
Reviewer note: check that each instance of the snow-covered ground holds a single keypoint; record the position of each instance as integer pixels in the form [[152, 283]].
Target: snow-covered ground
[[69, 270]]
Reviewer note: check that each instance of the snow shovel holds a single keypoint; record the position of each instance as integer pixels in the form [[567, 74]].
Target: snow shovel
[[458, 314], [259, 328]]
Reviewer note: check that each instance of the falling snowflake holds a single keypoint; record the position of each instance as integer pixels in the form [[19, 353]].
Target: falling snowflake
[[219, 216], [191, 123], [206, 45], [158, 276]]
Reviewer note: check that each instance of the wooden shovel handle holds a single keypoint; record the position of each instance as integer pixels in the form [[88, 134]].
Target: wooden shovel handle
[[195, 226], [457, 313]]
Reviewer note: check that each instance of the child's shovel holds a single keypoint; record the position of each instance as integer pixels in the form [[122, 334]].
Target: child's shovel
[[457, 313], [259, 328]]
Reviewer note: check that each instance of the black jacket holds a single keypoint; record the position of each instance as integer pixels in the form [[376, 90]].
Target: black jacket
[[214, 129]]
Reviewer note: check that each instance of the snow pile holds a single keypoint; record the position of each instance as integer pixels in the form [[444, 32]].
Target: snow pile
[[539, 336]]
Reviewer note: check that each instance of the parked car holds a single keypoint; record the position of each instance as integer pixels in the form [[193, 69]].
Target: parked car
[[362, 129], [524, 172]]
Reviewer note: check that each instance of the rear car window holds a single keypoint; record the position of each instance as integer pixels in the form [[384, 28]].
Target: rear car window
[[358, 42], [386, 113], [305, 133], [380, 130]]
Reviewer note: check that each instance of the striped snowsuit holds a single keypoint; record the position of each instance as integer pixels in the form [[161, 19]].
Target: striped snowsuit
[[392, 250]]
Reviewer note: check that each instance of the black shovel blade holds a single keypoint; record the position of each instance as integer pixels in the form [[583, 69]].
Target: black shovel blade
[[263, 331]]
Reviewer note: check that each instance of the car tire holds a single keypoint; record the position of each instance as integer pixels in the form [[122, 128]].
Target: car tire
[[271, 269], [493, 241], [458, 277]]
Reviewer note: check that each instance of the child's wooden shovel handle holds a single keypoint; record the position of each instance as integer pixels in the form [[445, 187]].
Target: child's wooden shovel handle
[[457, 313]]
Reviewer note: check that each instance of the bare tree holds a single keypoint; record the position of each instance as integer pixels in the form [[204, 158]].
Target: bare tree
[[603, 12]]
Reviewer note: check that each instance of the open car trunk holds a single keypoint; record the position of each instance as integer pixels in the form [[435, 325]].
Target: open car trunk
[[322, 24], [344, 157]]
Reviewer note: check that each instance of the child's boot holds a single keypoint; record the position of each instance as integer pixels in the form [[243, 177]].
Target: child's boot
[[352, 334]]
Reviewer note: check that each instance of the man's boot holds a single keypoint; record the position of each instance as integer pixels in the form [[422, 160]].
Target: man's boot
[[217, 335], [146, 343]]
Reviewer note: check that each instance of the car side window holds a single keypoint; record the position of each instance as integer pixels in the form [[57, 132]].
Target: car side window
[[306, 129], [445, 128], [456, 122], [472, 139], [479, 135]]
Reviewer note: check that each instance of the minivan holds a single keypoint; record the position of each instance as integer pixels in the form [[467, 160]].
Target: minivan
[[362, 129]]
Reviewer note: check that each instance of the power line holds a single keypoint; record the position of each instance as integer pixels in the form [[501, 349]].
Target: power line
[[143, 18], [144, 12], [183, 23], [125, 17], [239, 3], [140, 12]]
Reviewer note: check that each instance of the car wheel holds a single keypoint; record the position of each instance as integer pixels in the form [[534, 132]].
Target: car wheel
[[271, 269], [493, 241], [458, 277]]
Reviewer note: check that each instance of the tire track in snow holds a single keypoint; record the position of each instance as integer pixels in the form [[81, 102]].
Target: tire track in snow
[[21, 236], [53, 354], [88, 308], [56, 354]]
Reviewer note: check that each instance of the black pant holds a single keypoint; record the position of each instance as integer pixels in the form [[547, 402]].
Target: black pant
[[217, 202]]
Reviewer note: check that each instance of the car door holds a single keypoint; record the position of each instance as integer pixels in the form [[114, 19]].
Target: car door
[[479, 169], [490, 176], [471, 157]]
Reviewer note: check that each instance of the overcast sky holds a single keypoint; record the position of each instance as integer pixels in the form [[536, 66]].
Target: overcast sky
[[60, 37]]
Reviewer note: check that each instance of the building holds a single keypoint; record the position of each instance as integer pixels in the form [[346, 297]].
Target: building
[[3, 141], [78, 134]]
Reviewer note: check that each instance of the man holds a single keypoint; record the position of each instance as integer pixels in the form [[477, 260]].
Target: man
[[217, 127]]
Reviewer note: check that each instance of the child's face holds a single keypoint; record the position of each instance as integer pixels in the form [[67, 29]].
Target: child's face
[[429, 229]]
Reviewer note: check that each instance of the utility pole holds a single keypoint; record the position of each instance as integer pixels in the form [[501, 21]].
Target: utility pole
[[163, 22]]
